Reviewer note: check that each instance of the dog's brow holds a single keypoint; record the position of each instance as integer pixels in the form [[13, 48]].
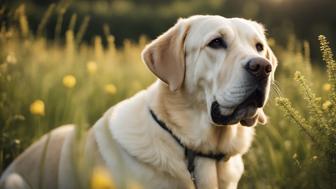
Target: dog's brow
[[259, 39], [223, 32], [227, 33]]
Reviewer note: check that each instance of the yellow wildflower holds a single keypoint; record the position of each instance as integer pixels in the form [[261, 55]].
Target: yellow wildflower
[[69, 81], [326, 87], [315, 157], [11, 59], [110, 89], [101, 179], [133, 185], [37, 107], [91, 67], [326, 105]]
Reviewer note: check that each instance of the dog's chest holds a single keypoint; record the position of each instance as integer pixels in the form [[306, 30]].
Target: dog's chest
[[233, 140], [151, 178]]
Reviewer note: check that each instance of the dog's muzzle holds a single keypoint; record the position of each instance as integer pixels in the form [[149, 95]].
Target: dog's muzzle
[[259, 70], [245, 113]]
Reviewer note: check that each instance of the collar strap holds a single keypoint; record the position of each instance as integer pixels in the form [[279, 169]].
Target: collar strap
[[189, 153]]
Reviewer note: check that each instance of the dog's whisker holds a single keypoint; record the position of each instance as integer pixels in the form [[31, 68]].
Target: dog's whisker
[[277, 91], [275, 87]]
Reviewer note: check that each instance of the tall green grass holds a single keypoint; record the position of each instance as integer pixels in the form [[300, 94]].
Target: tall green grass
[[47, 83], [35, 69], [320, 125]]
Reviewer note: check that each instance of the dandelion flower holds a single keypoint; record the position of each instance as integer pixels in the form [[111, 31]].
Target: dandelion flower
[[37, 108], [326, 87], [91, 67], [110, 89], [69, 81], [101, 179], [326, 105]]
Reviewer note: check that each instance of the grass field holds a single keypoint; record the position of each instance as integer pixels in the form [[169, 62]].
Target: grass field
[[47, 83]]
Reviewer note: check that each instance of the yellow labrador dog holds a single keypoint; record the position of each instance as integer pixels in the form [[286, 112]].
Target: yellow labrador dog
[[187, 130]]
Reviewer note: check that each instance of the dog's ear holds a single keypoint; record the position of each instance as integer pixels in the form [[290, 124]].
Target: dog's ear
[[165, 56]]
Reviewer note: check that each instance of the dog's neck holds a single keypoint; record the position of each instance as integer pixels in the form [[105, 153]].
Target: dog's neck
[[189, 121]]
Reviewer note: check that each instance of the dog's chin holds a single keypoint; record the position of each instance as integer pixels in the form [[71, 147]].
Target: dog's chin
[[245, 113]]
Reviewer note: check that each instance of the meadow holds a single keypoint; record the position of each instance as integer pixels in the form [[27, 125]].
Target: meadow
[[47, 83]]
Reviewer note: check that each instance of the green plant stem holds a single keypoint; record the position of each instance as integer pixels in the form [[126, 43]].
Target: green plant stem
[[298, 119], [311, 98], [45, 20]]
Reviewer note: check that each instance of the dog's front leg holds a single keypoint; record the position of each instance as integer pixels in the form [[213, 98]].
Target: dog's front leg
[[229, 172], [206, 173]]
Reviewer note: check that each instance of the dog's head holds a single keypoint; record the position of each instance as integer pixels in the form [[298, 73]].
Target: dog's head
[[225, 64]]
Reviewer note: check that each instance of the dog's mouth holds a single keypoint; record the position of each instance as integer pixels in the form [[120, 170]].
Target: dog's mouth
[[245, 113]]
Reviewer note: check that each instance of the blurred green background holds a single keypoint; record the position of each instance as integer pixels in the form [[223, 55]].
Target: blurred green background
[[305, 19]]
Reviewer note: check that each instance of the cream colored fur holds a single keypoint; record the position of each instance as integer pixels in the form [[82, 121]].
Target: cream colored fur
[[130, 144]]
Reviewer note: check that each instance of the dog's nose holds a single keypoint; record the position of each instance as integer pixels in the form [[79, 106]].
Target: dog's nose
[[259, 67]]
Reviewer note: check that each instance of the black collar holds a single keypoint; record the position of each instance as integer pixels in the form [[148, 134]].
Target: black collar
[[189, 153]]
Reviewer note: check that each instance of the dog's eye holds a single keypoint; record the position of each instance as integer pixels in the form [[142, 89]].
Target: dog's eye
[[217, 43], [259, 47]]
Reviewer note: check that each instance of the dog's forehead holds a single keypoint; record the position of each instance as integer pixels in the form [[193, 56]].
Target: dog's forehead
[[203, 25]]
